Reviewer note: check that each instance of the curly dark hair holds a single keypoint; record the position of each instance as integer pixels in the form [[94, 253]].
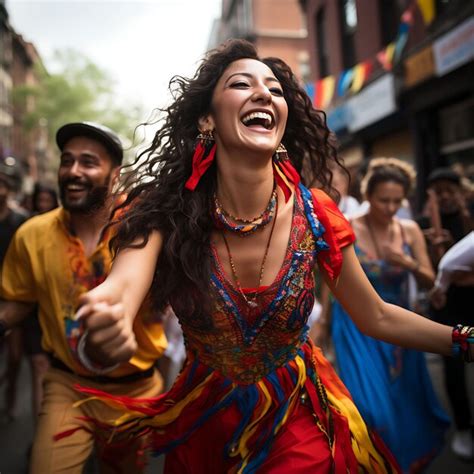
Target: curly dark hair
[[157, 199], [383, 170]]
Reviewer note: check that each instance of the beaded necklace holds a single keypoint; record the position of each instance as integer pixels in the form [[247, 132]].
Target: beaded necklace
[[245, 227], [252, 302]]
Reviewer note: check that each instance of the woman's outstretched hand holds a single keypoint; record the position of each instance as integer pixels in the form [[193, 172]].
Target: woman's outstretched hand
[[109, 338]]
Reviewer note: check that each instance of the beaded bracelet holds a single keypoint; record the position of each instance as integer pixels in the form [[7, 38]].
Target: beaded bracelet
[[463, 338]]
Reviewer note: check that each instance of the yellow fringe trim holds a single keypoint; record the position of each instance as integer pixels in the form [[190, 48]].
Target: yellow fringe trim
[[363, 447]]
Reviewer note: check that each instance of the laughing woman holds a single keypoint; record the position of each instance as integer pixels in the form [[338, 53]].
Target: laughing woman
[[390, 385], [223, 229]]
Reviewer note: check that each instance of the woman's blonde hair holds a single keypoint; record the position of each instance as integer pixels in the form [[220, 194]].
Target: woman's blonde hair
[[381, 170]]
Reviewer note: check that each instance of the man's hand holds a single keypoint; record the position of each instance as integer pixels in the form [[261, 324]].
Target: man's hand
[[434, 239], [110, 338]]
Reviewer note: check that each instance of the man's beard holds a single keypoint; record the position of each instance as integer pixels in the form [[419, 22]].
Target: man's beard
[[94, 200]]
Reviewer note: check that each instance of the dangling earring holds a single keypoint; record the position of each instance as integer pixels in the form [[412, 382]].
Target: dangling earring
[[281, 152], [284, 171], [204, 152]]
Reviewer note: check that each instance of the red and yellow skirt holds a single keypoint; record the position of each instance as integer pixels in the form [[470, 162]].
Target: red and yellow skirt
[[299, 418]]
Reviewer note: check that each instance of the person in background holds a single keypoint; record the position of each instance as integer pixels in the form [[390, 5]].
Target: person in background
[[52, 260], [219, 225], [456, 264], [347, 204], [390, 385], [10, 220], [448, 221], [44, 199]]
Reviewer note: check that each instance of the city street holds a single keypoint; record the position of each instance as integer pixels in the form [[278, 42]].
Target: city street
[[16, 436], [133, 159]]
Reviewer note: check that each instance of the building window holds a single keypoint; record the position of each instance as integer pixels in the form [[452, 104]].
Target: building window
[[443, 6], [348, 15], [321, 46], [389, 14]]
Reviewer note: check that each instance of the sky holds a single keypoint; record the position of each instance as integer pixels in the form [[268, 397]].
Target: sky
[[140, 43]]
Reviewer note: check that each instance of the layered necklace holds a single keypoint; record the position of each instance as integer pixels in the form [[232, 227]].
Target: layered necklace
[[252, 302], [245, 227]]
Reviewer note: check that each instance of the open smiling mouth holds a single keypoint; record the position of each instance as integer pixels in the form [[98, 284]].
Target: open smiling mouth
[[75, 188], [258, 119]]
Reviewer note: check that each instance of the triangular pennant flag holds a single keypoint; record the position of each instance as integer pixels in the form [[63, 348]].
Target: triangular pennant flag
[[309, 88], [329, 84], [385, 56], [361, 73], [399, 45], [318, 94], [369, 67], [427, 9], [403, 28], [358, 80], [345, 81], [407, 16]]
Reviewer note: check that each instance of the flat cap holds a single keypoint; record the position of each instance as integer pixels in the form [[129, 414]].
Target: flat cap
[[93, 130]]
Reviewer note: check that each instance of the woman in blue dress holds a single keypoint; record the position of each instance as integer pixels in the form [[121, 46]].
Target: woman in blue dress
[[390, 385]]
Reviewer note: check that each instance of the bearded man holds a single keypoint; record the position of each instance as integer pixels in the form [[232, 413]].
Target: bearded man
[[53, 259]]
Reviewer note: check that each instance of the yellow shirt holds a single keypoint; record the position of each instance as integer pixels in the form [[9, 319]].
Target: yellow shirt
[[46, 265]]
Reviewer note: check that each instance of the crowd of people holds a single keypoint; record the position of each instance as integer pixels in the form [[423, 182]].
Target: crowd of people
[[226, 224]]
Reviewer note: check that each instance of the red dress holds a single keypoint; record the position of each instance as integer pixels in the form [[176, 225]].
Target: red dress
[[255, 394]]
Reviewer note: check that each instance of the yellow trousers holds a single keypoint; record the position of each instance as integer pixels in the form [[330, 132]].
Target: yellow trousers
[[69, 455]]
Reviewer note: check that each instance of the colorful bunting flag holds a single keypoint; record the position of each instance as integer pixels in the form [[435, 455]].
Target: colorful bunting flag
[[400, 41], [345, 81], [399, 45], [324, 92], [385, 57], [407, 16], [427, 9], [309, 87], [361, 73]]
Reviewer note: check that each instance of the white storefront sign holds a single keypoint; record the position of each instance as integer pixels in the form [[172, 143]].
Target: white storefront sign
[[454, 48], [374, 103]]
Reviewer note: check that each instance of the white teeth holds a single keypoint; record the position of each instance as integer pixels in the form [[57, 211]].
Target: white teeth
[[260, 115], [75, 187]]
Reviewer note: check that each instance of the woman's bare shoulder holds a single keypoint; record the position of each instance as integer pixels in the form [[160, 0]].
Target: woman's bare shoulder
[[358, 221], [411, 229], [409, 225]]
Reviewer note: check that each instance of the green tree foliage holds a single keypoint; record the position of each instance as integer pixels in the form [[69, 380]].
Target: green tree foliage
[[78, 90]]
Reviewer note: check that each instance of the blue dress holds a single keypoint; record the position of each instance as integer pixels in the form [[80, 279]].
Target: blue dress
[[390, 385]]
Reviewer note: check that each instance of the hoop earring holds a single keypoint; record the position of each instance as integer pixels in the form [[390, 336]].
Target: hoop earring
[[204, 153], [284, 171]]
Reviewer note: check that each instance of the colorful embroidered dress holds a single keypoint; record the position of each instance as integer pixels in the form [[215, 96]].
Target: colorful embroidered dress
[[255, 395], [390, 385]]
